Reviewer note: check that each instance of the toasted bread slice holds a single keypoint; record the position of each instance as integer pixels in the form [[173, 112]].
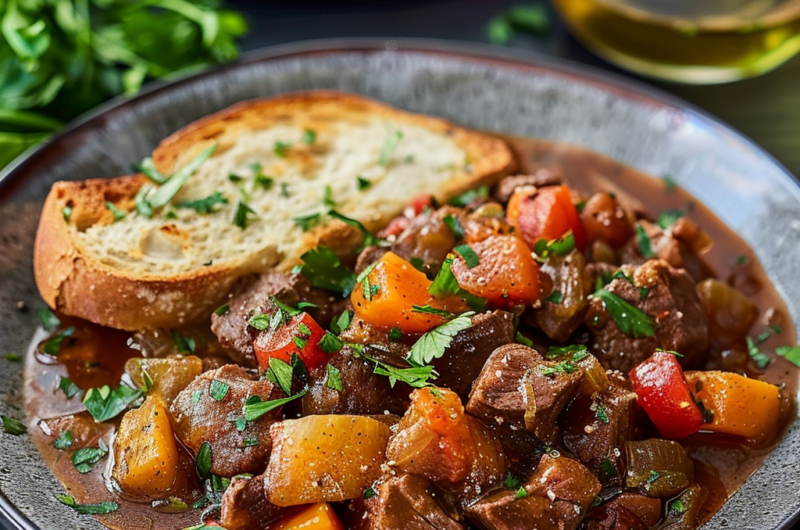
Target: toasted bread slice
[[313, 149]]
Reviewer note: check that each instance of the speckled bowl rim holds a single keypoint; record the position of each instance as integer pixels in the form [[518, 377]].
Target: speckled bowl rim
[[505, 58]]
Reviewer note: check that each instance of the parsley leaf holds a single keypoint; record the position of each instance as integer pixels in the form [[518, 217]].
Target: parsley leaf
[[668, 218], [242, 214], [521, 493], [12, 426], [429, 309], [218, 390], [413, 376], [395, 334], [330, 343], [69, 388], [222, 310], [255, 408], [64, 441], [185, 345], [558, 352], [643, 242], [116, 212], [466, 198], [204, 460], [445, 284], [104, 403], [389, 145], [669, 183], [334, 378], [52, 346], [369, 239], [522, 339], [511, 482], [433, 344], [760, 358], [556, 297], [601, 414], [86, 458], [363, 183], [161, 196], [629, 319], [327, 197], [470, 256], [790, 353], [309, 137], [281, 374], [455, 226], [281, 149], [342, 322], [205, 206], [324, 270], [49, 320], [307, 222], [88, 509], [560, 247]]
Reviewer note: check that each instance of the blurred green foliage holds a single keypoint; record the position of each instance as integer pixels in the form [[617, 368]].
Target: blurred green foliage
[[60, 58]]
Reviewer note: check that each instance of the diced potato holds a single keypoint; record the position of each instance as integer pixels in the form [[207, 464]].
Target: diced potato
[[324, 458], [170, 374], [146, 459], [318, 516]]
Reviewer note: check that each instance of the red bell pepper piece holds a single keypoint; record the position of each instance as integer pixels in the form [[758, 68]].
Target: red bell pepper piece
[[545, 213], [664, 394], [300, 335]]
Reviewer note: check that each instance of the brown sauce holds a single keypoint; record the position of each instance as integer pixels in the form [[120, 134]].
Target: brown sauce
[[97, 356]]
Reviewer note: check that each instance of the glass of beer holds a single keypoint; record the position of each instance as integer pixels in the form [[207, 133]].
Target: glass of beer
[[689, 41]]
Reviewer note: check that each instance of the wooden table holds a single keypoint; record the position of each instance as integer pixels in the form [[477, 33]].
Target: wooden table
[[767, 108]]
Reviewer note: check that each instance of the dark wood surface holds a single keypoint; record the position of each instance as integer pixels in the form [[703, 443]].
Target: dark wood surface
[[767, 108]]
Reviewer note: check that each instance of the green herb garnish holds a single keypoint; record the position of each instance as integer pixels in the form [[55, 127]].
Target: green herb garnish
[[760, 358], [281, 374], [307, 222], [470, 256], [86, 458], [334, 378], [242, 215], [342, 322], [559, 247], [255, 408], [511, 482], [433, 344], [643, 242], [88, 509], [222, 310], [309, 137], [205, 206], [669, 183], [556, 297], [325, 270], [466, 198], [369, 493], [522, 339], [363, 183], [281, 149], [69, 388], [204, 460], [445, 284], [455, 226], [12, 426], [116, 212], [395, 334], [186, 345], [52, 346], [218, 390], [521, 493], [330, 343], [64, 441], [49, 320], [668, 218], [388, 147], [601, 414], [790, 353], [629, 319], [104, 403]]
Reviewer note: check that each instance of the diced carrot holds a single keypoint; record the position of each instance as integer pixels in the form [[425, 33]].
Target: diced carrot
[[318, 516], [395, 288], [441, 408], [545, 213], [300, 335], [506, 273], [737, 405]]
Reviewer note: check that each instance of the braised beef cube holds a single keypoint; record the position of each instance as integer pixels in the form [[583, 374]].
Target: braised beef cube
[[86, 432], [245, 505], [556, 497], [427, 238], [562, 311], [368, 256], [377, 342], [613, 516], [672, 245], [647, 509], [544, 176], [406, 502], [362, 390], [464, 358], [666, 295], [231, 327], [596, 429], [547, 388], [215, 415]]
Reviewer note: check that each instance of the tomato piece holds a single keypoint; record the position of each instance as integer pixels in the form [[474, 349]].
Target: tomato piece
[[318, 516], [395, 288], [300, 335], [545, 213], [738, 405], [395, 227], [663, 393], [506, 273], [418, 205]]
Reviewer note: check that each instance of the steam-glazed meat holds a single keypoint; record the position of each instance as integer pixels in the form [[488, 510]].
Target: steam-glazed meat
[[407, 502], [666, 295], [245, 505], [563, 313], [543, 176], [201, 415], [675, 245]]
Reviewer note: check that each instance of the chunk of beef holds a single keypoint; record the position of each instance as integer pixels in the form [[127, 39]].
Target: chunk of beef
[[200, 417], [613, 516], [595, 430], [245, 505], [363, 391], [519, 388], [368, 256], [428, 239], [558, 496], [559, 318], [464, 358], [544, 176], [669, 297], [672, 245], [232, 329], [407, 502], [647, 509]]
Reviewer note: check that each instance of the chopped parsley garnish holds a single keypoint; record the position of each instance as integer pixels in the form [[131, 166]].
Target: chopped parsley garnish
[[671, 352], [285, 190], [86, 458], [522, 339], [652, 476], [413, 376], [242, 214], [148, 168], [790, 353], [303, 329], [64, 441], [563, 367], [88, 509], [669, 183], [668, 218], [334, 378], [104, 403], [511, 482], [185, 345], [445, 284], [69, 388], [342, 322], [363, 278], [12, 426], [572, 350], [395, 334], [433, 344], [601, 414], [466, 198], [369, 493], [742, 260], [327, 197], [218, 390], [235, 178], [369, 239], [14, 357], [608, 468], [264, 182], [281, 374], [140, 200], [470, 256], [363, 183], [204, 460], [205, 206], [417, 263], [282, 148], [629, 319], [330, 343], [66, 211], [49, 320], [455, 226], [255, 408], [165, 193], [389, 145], [643, 242], [521, 493], [760, 358], [309, 136], [116, 212], [261, 321], [325, 270], [429, 309], [556, 297], [307, 222], [52, 346], [299, 342], [560, 247], [222, 310]]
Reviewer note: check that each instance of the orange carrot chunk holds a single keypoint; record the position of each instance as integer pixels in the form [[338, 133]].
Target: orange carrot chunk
[[318, 516]]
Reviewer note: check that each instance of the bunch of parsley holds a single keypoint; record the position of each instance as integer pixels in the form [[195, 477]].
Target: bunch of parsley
[[60, 58]]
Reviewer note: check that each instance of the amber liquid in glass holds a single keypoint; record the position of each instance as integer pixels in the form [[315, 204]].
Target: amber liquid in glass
[[690, 41]]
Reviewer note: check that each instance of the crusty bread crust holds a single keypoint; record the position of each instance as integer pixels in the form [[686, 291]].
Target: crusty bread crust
[[74, 282]]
